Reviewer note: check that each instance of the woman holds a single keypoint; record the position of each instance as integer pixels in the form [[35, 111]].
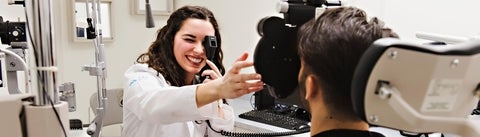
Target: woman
[[163, 96]]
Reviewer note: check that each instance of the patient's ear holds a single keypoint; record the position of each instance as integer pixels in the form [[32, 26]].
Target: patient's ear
[[312, 89]]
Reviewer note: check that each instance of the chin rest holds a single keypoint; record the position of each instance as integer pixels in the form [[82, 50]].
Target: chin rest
[[419, 88]]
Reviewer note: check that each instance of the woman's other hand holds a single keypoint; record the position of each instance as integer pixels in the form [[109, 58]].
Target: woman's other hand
[[212, 73]]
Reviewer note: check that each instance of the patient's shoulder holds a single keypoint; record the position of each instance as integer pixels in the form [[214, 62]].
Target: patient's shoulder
[[348, 133], [375, 134]]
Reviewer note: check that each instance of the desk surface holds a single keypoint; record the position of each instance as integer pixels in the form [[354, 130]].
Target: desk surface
[[243, 125], [248, 126], [242, 105]]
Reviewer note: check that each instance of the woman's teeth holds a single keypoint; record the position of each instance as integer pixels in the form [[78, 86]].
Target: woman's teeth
[[195, 60]]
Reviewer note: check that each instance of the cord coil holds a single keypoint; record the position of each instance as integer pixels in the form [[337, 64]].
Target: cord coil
[[273, 134]]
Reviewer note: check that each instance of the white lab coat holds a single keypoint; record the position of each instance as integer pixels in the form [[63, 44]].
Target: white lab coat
[[153, 108]]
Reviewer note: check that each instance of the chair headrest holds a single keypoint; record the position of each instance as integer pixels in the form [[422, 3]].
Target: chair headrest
[[417, 88]]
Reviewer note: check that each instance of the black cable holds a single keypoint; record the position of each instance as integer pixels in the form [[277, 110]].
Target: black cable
[[273, 134], [56, 113], [30, 36], [476, 111], [209, 125], [404, 133], [40, 76]]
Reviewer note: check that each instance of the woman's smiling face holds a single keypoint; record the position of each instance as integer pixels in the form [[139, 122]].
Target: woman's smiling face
[[187, 45]]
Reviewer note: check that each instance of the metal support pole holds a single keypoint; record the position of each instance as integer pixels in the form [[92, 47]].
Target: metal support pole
[[98, 69], [44, 68]]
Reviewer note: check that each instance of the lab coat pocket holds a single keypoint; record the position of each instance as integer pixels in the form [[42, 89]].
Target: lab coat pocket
[[219, 123]]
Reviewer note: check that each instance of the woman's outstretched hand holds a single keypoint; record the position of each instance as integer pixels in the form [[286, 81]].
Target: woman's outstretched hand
[[232, 85], [235, 84]]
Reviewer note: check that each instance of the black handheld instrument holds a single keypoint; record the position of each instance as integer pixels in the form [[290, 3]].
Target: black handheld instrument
[[210, 45]]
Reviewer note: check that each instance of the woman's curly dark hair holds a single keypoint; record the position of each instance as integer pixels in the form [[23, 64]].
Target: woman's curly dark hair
[[160, 53]]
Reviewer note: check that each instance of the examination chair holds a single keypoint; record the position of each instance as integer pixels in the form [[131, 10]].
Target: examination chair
[[114, 106], [419, 88]]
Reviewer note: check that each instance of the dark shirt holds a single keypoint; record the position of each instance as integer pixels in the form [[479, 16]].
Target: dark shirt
[[347, 133]]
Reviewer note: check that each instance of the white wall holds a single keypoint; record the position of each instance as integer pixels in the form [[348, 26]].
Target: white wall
[[238, 20], [11, 12], [456, 18], [130, 38]]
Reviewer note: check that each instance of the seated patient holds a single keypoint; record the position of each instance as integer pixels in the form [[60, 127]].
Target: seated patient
[[164, 98], [330, 48]]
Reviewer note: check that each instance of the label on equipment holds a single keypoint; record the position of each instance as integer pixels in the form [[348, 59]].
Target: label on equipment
[[441, 95]]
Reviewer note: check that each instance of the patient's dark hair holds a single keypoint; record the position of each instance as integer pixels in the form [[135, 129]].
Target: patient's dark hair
[[330, 48], [160, 53]]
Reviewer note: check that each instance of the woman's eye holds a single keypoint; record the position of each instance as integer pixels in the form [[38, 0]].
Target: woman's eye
[[190, 40]]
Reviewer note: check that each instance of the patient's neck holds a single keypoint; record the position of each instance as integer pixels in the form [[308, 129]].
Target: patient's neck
[[323, 122]]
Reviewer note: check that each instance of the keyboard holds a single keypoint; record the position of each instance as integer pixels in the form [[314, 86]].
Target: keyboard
[[274, 118]]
